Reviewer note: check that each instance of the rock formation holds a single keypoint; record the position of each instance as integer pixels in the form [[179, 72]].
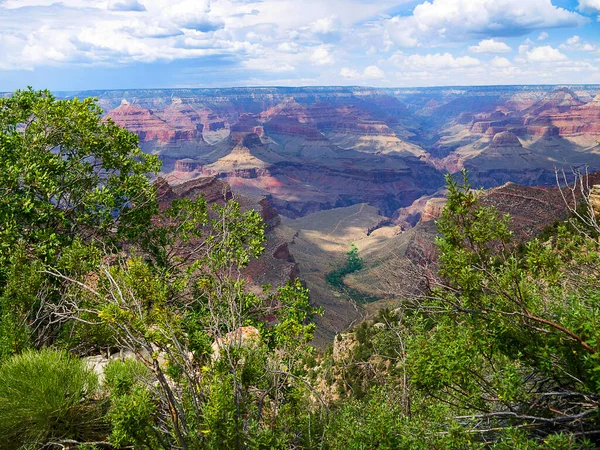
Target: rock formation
[[310, 149]]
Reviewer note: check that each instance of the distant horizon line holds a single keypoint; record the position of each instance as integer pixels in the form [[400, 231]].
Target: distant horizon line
[[307, 87]]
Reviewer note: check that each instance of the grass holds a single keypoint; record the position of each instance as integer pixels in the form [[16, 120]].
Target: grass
[[45, 396]]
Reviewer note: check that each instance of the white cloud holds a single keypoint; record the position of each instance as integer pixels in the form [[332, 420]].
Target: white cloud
[[500, 62], [374, 72], [288, 47], [442, 20], [126, 5], [370, 72], [267, 65], [320, 41], [433, 61], [544, 54], [589, 5], [350, 74], [490, 46], [575, 44], [328, 25], [10, 53], [192, 15], [322, 57]]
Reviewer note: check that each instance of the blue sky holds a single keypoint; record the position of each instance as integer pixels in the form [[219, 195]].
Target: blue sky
[[123, 44]]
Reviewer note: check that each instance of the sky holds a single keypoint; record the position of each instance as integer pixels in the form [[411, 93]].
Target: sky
[[127, 44]]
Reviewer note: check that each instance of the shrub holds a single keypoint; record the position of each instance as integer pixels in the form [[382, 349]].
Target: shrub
[[131, 416], [121, 376], [132, 407], [47, 396]]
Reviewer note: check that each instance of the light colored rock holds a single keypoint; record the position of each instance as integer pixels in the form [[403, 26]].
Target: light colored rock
[[242, 337], [98, 363], [433, 209], [343, 344]]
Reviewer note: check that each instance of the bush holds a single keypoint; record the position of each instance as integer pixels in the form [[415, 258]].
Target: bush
[[131, 416], [122, 376], [132, 407], [47, 396]]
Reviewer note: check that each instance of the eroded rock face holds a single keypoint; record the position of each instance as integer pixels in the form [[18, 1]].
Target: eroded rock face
[[433, 209], [531, 208], [211, 188], [150, 127], [276, 265], [317, 148], [269, 213], [343, 344]]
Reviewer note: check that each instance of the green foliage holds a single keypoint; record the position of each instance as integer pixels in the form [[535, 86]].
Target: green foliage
[[89, 263], [362, 425], [502, 353], [336, 278], [47, 396], [131, 416], [120, 376], [132, 408], [64, 173], [71, 183], [380, 421], [515, 329], [353, 264]]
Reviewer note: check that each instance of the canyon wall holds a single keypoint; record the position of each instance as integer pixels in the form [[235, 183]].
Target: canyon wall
[[309, 149]]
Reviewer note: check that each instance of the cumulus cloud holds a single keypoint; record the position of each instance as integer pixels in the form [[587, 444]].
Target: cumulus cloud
[[327, 25], [576, 44], [315, 40], [490, 46], [10, 53], [437, 61], [350, 74], [193, 15], [374, 72], [462, 19], [370, 73], [321, 57], [500, 62], [267, 65], [289, 47], [589, 5], [544, 54]]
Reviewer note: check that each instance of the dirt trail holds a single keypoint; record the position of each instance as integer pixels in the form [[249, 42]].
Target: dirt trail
[[346, 218]]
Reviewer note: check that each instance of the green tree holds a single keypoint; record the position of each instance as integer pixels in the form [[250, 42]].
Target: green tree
[[510, 339], [501, 352], [66, 173], [179, 302], [70, 183]]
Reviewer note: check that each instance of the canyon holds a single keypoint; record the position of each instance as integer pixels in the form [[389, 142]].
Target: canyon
[[316, 148], [331, 167]]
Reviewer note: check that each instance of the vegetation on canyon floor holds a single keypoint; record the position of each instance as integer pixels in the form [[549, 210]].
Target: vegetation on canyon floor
[[500, 350], [336, 277]]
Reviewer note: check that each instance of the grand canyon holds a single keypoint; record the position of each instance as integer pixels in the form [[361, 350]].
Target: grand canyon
[[310, 149], [335, 166]]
